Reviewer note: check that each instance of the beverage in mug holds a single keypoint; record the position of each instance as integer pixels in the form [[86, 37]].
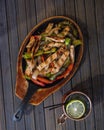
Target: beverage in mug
[[77, 106], [75, 109]]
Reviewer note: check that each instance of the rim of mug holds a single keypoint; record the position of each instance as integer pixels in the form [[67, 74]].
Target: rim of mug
[[71, 93]]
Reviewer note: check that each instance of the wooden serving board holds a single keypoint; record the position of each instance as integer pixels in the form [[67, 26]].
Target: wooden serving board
[[22, 84]]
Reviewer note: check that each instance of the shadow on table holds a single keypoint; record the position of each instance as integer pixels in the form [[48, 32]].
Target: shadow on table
[[93, 87]]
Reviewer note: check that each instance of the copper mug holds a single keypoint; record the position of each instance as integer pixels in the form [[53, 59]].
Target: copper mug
[[79, 96]]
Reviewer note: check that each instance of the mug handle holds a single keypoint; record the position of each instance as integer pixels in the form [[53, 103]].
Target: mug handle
[[61, 119]]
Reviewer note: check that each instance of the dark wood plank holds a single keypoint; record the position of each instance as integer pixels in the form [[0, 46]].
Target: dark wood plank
[[50, 8], [92, 38], [12, 36], [29, 118], [21, 20], [59, 7], [6, 68], [99, 15], [57, 98], [40, 10], [99, 6], [12, 41], [22, 32], [70, 9], [49, 115], [39, 117], [84, 70], [30, 14], [94, 61], [2, 108]]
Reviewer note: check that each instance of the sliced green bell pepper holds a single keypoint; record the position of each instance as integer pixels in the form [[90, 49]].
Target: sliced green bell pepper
[[77, 42], [67, 41]]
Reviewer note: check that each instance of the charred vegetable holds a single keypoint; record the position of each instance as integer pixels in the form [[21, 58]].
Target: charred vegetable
[[50, 55]]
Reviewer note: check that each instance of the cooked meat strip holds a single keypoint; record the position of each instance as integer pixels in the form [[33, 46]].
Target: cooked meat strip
[[55, 40], [53, 30], [64, 32], [72, 53], [56, 44], [30, 44], [30, 66], [50, 59], [35, 48], [51, 45], [47, 62], [58, 64], [49, 27]]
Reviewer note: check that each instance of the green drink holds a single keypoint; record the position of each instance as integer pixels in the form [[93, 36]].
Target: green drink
[[77, 107]]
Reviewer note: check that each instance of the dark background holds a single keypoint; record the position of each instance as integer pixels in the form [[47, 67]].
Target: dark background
[[17, 18]]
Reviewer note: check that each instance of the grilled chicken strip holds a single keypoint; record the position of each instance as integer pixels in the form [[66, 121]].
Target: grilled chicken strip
[[51, 45], [64, 32], [49, 27], [30, 44], [55, 40], [30, 66], [58, 64], [50, 59], [53, 30], [72, 53], [47, 62]]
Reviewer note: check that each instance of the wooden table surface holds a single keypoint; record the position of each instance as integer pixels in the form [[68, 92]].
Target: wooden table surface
[[17, 18]]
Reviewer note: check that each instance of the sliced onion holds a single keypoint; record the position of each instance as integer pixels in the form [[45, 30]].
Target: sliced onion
[[72, 53], [55, 40], [35, 74]]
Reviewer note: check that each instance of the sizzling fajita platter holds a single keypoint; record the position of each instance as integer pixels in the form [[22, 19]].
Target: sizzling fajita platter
[[48, 57]]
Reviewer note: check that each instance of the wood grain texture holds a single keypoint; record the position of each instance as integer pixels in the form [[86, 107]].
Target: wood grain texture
[[59, 7], [95, 70], [2, 108], [17, 18], [83, 74], [6, 69], [99, 24]]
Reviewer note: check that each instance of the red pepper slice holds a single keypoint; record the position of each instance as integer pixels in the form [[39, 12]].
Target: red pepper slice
[[42, 58], [38, 82], [37, 37], [52, 64], [69, 69], [44, 80]]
